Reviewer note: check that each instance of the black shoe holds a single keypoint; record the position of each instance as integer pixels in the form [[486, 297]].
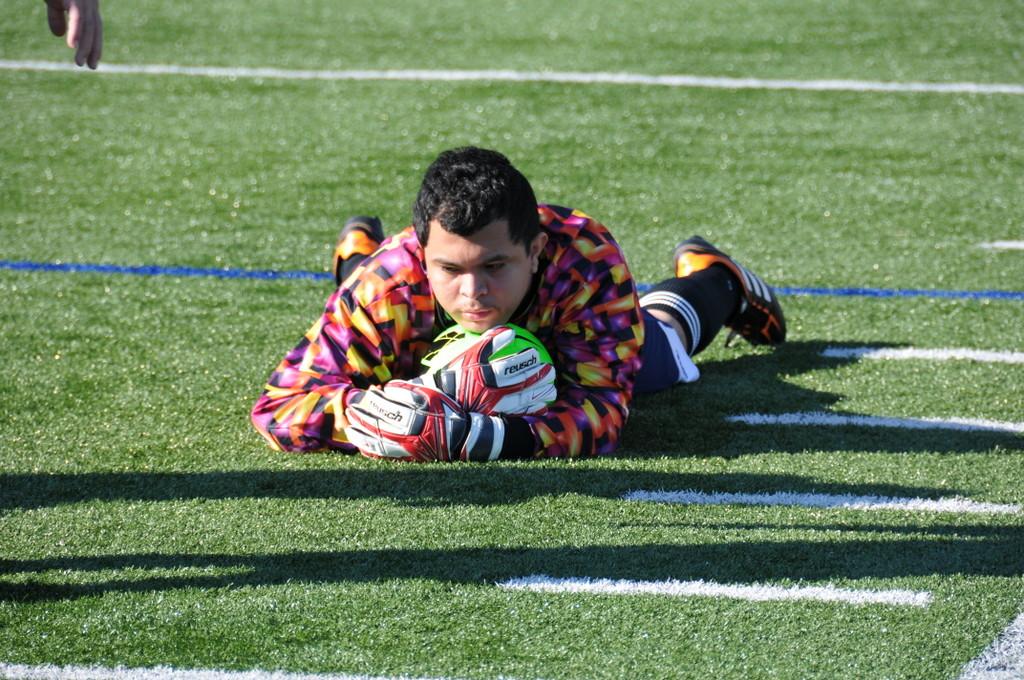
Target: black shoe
[[759, 319], [360, 236]]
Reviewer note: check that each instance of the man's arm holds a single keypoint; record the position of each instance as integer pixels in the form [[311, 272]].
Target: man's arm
[[351, 347], [456, 413], [594, 397], [305, 395], [596, 340]]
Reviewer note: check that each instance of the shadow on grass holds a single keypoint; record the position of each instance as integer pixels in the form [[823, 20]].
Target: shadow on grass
[[417, 485], [690, 420], [984, 551]]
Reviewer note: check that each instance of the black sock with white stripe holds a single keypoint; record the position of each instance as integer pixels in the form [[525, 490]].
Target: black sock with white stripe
[[701, 302]]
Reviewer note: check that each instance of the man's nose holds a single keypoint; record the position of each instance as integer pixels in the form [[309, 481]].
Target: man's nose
[[473, 285]]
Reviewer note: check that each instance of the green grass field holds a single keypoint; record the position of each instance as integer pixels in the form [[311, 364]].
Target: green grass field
[[144, 523]]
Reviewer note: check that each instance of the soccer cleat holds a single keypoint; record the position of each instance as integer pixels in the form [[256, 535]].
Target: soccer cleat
[[759, 319], [359, 237]]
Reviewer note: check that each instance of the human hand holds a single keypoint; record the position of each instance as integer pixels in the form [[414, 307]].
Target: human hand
[[513, 384], [83, 25], [413, 422]]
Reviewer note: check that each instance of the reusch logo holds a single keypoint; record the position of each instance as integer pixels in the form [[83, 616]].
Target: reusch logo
[[513, 369], [394, 416]]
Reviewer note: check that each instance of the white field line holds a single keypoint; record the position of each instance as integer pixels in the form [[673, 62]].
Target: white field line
[[1003, 245], [819, 500], [576, 77], [751, 592], [821, 418], [1003, 659], [938, 354], [50, 672]]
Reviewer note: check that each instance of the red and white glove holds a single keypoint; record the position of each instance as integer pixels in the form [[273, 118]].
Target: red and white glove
[[514, 384], [412, 422]]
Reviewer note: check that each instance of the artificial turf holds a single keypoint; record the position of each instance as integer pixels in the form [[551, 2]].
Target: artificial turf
[[144, 523]]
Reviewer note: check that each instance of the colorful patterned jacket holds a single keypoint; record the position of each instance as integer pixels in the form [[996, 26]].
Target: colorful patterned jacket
[[379, 324]]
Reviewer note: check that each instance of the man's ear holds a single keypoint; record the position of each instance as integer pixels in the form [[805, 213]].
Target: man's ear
[[536, 248]]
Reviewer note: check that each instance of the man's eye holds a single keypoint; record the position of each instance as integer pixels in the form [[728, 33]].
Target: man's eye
[[495, 266]]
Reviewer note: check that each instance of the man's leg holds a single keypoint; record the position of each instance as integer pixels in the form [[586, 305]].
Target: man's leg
[[681, 317], [358, 239], [695, 306], [684, 314]]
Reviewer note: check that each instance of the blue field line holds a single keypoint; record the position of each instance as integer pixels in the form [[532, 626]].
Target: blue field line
[[904, 292], [155, 270], [273, 274]]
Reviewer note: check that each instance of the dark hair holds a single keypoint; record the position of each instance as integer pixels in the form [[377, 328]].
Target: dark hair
[[466, 189]]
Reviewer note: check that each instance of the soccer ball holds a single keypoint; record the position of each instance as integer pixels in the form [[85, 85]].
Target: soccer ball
[[455, 340], [503, 370]]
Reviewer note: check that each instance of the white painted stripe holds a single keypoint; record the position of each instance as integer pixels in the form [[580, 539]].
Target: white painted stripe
[[51, 672], [1003, 245], [820, 500], [585, 78], [939, 354], [754, 592], [840, 420], [1003, 659]]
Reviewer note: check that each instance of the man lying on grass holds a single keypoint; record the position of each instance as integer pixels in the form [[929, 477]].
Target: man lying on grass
[[483, 255]]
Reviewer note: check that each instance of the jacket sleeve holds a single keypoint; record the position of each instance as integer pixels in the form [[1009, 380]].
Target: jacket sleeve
[[597, 337], [352, 346], [302, 405]]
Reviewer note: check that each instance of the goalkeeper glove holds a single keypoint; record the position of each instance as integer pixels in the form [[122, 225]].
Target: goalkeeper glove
[[515, 384], [412, 422]]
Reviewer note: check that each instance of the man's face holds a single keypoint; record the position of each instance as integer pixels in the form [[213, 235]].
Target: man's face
[[481, 279]]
